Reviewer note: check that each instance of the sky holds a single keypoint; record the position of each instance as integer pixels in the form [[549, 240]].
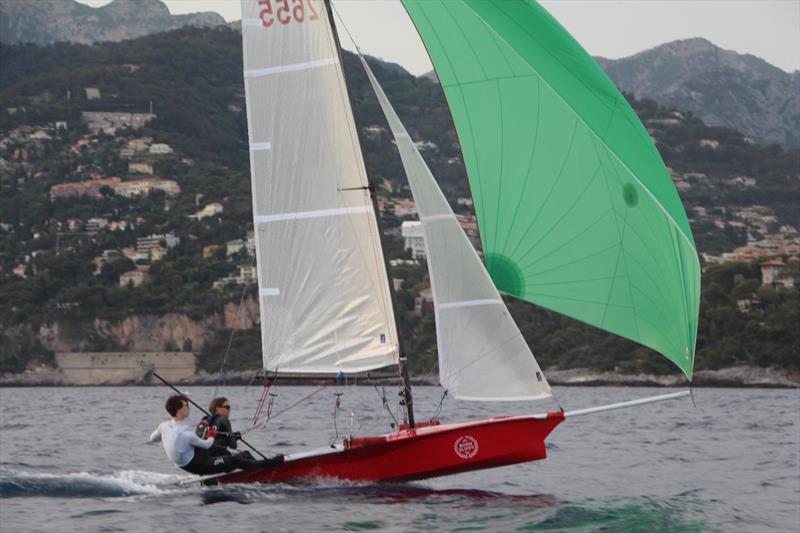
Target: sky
[[769, 29]]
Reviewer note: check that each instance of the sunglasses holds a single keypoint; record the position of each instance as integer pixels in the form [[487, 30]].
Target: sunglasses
[[225, 406]]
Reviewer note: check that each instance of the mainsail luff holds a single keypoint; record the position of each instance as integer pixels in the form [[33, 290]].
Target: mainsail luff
[[323, 288], [408, 396]]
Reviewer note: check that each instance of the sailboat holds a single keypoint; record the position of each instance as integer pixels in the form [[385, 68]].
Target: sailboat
[[576, 210]]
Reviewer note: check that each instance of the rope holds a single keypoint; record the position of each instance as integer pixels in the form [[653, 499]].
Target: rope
[[438, 409], [221, 378], [301, 400], [386, 405], [260, 404], [336, 405]]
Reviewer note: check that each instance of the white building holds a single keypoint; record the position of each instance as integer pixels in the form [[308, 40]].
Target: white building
[[133, 278], [144, 186], [145, 244], [109, 121], [246, 276], [140, 167], [208, 211], [413, 237], [96, 224], [234, 247], [160, 149]]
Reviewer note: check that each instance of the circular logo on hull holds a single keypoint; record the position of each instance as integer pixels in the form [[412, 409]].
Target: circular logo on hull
[[466, 447]]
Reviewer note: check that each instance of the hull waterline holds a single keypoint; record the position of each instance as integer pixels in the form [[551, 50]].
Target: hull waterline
[[407, 455]]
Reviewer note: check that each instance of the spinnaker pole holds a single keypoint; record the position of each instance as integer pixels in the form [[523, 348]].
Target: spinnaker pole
[[408, 398]]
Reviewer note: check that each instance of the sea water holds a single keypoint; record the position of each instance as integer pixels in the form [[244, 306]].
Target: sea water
[[76, 459]]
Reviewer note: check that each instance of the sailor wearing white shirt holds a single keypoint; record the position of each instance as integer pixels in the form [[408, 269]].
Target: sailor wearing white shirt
[[178, 438]]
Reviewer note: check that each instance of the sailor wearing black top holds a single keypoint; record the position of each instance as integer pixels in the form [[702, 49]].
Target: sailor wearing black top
[[220, 409]]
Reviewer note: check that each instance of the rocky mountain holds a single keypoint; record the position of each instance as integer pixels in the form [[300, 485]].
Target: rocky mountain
[[50, 21], [722, 87]]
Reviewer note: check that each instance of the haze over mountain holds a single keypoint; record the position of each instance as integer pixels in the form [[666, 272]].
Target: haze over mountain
[[50, 21], [722, 87]]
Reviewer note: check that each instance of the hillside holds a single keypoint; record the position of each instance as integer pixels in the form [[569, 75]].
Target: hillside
[[52, 21], [83, 261], [721, 87]]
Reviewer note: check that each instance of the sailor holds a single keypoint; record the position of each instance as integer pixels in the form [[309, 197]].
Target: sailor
[[189, 452], [219, 421]]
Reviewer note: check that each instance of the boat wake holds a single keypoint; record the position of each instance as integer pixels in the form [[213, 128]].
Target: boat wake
[[15, 484]]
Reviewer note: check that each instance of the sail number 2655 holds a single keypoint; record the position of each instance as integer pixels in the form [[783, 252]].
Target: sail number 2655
[[286, 11]]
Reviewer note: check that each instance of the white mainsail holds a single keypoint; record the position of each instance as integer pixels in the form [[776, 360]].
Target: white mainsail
[[482, 354], [323, 288]]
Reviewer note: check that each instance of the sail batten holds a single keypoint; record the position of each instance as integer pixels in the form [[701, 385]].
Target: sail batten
[[569, 190]]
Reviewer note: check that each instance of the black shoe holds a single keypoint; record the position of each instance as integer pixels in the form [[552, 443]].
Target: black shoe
[[273, 461]]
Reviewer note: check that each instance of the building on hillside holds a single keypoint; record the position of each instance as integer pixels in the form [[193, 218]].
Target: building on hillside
[[246, 276], [119, 225], [160, 149], [413, 238], [470, 226], [426, 145], [423, 303], [40, 135], [208, 250], [695, 176], [208, 211], [145, 244], [373, 132], [140, 144], [93, 225], [709, 143], [109, 121], [157, 253], [464, 201], [250, 243], [74, 224], [773, 274], [404, 207], [744, 254], [744, 181], [99, 263], [745, 305], [144, 186], [140, 167], [234, 247], [83, 188], [134, 278]]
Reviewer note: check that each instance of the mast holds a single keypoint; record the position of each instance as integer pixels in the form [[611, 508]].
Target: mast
[[408, 399]]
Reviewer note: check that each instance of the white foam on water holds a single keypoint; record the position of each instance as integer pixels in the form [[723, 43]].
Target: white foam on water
[[87, 484]]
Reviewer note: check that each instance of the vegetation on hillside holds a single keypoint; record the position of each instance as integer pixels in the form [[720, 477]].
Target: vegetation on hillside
[[196, 92]]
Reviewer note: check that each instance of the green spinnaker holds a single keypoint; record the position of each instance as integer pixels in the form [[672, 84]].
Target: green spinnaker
[[576, 209]]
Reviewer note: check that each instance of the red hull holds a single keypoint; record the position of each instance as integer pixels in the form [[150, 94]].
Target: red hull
[[423, 452]]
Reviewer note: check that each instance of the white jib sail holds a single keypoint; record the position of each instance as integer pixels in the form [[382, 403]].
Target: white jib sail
[[482, 354], [323, 289]]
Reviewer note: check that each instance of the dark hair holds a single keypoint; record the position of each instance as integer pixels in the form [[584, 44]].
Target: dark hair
[[216, 402], [174, 403]]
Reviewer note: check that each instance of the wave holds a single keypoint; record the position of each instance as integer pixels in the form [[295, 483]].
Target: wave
[[14, 484]]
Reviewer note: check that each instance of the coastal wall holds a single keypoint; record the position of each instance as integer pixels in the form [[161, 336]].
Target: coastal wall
[[113, 368]]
